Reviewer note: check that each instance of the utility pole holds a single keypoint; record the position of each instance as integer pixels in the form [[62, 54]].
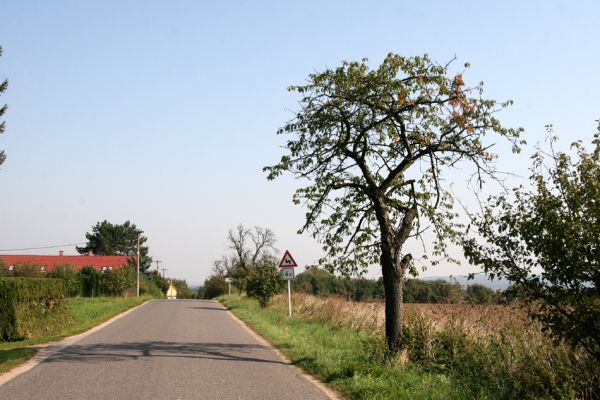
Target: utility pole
[[157, 262], [163, 270]]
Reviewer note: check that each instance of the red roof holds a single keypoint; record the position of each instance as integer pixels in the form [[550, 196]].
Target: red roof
[[77, 262]]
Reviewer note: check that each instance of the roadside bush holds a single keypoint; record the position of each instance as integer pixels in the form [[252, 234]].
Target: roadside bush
[[71, 279], [32, 307], [114, 283], [148, 286], [26, 269], [263, 282], [90, 281], [215, 286], [161, 283], [183, 290]]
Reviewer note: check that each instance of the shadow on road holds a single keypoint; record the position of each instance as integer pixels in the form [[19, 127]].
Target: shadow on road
[[103, 352], [208, 308]]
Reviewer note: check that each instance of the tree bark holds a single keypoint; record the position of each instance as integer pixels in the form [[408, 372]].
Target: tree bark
[[393, 269], [393, 284]]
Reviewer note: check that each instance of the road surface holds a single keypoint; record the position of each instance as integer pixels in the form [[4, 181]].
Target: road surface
[[182, 349]]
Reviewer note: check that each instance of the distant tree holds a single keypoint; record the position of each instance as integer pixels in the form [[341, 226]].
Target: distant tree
[[315, 281], [248, 246], [264, 280], [215, 286], [436, 292], [546, 240], [512, 293], [158, 280], [3, 87], [108, 239], [480, 294], [183, 290], [375, 145]]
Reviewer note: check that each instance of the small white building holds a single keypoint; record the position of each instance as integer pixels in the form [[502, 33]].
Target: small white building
[[171, 292]]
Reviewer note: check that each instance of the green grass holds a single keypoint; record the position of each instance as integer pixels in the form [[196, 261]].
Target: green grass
[[348, 361], [87, 313], [13, 357]]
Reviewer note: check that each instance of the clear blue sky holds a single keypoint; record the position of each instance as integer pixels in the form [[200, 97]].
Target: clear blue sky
[[164, 113]]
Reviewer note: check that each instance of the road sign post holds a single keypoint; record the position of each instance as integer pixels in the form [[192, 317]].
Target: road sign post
[[229, 280], [287, 265], [290, 298]]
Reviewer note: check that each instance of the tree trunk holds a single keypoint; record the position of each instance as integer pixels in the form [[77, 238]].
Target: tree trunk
[[392, 283], [393, 268]]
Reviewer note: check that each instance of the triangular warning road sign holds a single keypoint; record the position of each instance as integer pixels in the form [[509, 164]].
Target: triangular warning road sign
[[287, 261]]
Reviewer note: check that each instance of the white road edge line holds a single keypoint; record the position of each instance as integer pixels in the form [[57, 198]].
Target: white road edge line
[[320, 385], [51, 348]]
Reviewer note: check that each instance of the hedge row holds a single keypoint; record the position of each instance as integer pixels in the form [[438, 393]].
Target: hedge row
[[32, 307]]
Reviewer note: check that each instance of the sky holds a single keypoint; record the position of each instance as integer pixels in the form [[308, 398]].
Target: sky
[[164, 113]]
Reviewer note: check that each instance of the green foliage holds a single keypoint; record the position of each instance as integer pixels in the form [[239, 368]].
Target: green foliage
[[24, 270], [239, 274], [438, 291], [248, 247], [264, 281], [3, 87], [361, 133], [375, 145], [114, 283], [71, 279], [87, 313], [117, 239], [183, 290], [480, 294], [90, 282], [215, 286], [546, 242], [161, 283], [319, 282], [32, 307], [149, 287], [12, 357]]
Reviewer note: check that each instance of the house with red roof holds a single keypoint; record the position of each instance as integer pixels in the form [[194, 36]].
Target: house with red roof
[[48, 263]]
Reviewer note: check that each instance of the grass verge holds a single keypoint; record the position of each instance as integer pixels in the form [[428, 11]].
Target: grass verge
[[347, 360], [87, 313]]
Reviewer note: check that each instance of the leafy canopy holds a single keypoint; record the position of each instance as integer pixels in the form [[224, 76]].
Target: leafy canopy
[[374, 144], [264, 280], [117, 239], [546, 240]]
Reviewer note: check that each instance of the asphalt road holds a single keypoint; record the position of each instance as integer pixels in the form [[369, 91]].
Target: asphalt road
[[182, 349]]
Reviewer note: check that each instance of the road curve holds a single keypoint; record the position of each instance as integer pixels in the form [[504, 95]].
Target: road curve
[[182, 349]]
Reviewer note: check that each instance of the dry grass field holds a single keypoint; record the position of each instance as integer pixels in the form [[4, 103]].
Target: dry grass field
[[476, 320], [498, 344]]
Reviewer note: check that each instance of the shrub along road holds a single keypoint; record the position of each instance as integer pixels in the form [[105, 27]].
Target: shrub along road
[[182, 349]]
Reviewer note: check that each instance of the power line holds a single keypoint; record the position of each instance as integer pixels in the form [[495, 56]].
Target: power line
[[44, 247]]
